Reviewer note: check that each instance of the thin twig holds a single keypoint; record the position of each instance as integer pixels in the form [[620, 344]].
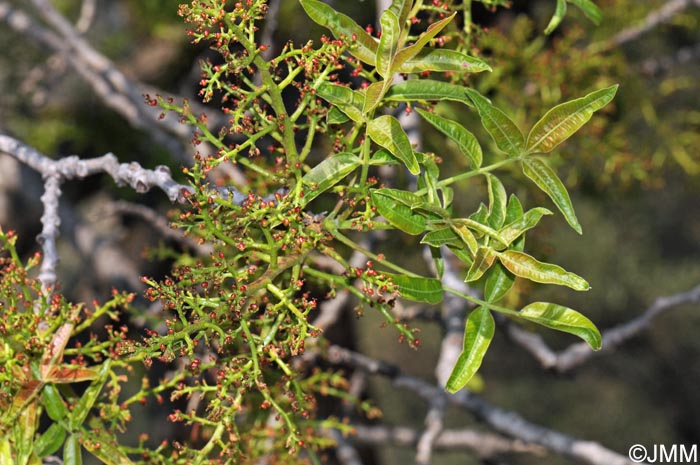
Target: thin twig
[[54, 172], [504, 421], [161, 225], [655, 18], [484, 445]]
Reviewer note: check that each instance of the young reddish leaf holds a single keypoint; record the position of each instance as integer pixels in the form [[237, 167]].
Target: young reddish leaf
[[388, 43], [525, 266], [501, 128], [443, 60], [478, 333], [559, 123], [418, 289], [563, 319], [547, 180], [387, 132], [327, 173], [464, 139], [398, 214], [64, 374], [483, 260], [343, 26]]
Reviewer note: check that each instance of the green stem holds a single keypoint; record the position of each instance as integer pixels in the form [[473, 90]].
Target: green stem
[[382, 261], [476, 300]]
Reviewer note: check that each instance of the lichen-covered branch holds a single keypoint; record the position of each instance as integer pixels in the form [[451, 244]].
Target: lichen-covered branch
[[55, 172]]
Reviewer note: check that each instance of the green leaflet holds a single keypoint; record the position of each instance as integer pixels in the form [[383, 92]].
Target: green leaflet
[[589, 9], [563, 319], [440, 237], [348, 101], [388, 43], [464, 139], [23, 433], [387, 132], [481, 228], [397, 213], [497, 202], [426, 89], [106, 452], [557, 18], [498, 279], [480, 215], [501, 128], [430, 210], [87, 400], [343, 26], [418, 289], [483, 260], [373, 95], [525, 266], [466, 236], [498, 282], [514, 210], [401, 8], [406, 198], [50, 441], [382, 157], [559, 123], [71, 451], [413, 50], [443, 60], [336, 116], [478, 333], [327, 173], [547, 180], [53, 403], [529, 220]]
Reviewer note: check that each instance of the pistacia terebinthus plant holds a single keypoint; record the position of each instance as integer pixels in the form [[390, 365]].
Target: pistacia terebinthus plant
[[314, 129]]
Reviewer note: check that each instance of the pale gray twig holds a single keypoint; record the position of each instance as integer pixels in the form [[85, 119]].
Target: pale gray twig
[[485, 445], [54, 172], [161, 225], [504, 421], [662, 15]]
